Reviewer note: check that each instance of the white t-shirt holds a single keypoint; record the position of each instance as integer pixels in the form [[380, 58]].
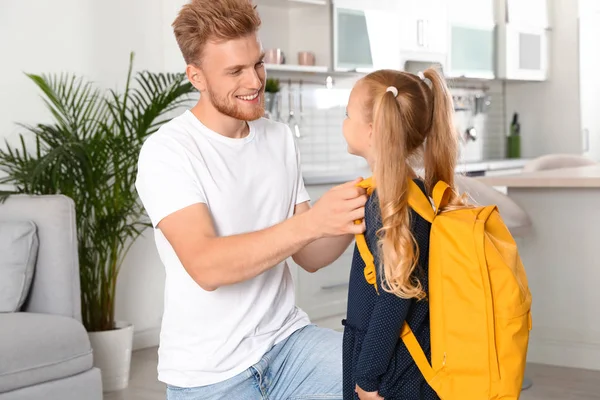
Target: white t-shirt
[[248, 184]]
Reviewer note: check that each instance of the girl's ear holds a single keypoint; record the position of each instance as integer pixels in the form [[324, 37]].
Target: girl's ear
[[370, 134]]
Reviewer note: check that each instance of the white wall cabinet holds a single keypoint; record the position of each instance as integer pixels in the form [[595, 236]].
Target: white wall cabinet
[[486, 39], [365, 35], [589, 79], [423, 31], [295, 26], [523, 40], [472, 42], [532, 13], [523, 53]]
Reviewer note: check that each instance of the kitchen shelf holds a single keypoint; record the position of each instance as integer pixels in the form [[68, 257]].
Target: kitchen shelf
[[317, 75], [291, 3], [297, 68]]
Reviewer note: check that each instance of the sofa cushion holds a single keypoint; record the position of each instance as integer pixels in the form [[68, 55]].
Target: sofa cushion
[[37, 348], [19, 248]]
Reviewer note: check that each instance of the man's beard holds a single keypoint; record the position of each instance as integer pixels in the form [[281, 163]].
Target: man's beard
[[225, 106]]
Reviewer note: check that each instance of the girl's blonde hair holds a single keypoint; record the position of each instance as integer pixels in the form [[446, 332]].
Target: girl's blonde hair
[[417, 123]]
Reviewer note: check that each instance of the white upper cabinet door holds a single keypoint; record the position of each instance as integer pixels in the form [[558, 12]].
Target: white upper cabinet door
[[472, 39], [471, 12], [365, 35], [589, 79], [528, 13], [436, 27], [423, 26], [523, 40], [383, 38], [524, 53]]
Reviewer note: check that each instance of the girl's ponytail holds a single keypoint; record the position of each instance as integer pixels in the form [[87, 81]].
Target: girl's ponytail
[[406, 115], [391, 170], [441, 145]]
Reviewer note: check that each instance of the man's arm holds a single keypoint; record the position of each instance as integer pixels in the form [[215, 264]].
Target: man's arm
[[321, 252], [216, 261]]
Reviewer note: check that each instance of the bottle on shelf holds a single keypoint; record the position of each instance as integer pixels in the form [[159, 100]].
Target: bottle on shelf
[[513, 145]]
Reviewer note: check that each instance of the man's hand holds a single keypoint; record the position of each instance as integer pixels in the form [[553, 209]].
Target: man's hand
[[333, 220], [362, 395], [214, 261], [335, 212]]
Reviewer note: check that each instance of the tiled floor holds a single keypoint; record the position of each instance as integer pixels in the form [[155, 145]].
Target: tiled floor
[[549, 383]]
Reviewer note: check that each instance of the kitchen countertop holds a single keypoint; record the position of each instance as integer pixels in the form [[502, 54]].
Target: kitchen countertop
[[578, 177], [491, 165], [333, 176], [337, 176]]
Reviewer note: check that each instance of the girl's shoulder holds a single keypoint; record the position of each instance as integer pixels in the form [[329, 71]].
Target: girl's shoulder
[[373, 209], [421, 184]]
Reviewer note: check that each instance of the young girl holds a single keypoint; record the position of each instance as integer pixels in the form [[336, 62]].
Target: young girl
[[394, 120]]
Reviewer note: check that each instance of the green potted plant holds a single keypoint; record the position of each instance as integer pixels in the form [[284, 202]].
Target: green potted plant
[[89, 153], [271, 95]]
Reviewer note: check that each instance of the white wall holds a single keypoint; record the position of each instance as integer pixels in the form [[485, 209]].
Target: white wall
[[39, 37], [549, 111], [91, 38], [119, 27]]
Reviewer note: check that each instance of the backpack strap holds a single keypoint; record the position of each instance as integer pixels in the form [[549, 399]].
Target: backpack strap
[[416, 352], [419, 202], [370, 272], [441, 195], [367, 257]]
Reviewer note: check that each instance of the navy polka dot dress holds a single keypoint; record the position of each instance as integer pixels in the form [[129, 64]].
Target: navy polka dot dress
[[374, 356]]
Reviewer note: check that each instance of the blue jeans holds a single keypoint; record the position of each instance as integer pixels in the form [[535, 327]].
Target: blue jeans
[[305, 366]]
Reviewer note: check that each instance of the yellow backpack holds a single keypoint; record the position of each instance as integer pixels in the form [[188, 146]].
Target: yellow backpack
[[479, 301]]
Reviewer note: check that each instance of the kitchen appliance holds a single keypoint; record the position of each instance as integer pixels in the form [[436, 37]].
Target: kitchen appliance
[[470, 116]]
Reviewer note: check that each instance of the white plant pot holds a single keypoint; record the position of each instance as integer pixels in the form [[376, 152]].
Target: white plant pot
[[112, 355]]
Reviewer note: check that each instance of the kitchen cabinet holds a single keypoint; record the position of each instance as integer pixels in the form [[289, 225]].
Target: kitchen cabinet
[[386, 34], [365, 35], [290, 25], [296, 26], [484, 39], [589, 79], [472, 41], [532, 13], [523, 40], [423, 30], [522, 53], [323, 294]]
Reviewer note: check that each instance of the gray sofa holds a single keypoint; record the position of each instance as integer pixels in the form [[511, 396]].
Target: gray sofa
[[45, 351]]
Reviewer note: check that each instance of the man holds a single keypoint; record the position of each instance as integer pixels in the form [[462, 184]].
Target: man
[[224, 191]]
